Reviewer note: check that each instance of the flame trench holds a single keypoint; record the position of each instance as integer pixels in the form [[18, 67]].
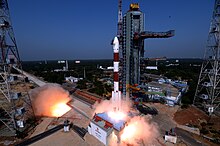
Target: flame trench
[[59, 109], [50, 100]]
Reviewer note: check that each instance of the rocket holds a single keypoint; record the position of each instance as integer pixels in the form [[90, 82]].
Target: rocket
[[116, 94]]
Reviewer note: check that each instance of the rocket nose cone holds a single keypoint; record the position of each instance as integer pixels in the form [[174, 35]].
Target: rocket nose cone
[[115, 40]]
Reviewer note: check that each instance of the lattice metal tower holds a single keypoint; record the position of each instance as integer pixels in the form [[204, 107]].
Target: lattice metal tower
[[15, 107], [207, 94]]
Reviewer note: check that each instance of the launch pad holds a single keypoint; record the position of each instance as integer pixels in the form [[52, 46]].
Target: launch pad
[[117, 124]]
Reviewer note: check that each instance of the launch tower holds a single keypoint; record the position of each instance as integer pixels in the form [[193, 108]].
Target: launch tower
[[133, 45], [15, 107], [207, 94]]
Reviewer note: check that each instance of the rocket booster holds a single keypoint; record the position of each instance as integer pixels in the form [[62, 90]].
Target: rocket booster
[[116, 94], [116, 64]]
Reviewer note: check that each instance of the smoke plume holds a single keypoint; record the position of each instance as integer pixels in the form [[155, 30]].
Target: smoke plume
[[139, 130], [107, 106], [48, 99]]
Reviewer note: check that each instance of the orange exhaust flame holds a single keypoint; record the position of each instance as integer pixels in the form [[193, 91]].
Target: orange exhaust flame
[[139, 129], [60, 109], [129, 132], [50, 100]]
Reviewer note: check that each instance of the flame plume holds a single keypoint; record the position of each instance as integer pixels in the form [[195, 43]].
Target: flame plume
[[50, 100]]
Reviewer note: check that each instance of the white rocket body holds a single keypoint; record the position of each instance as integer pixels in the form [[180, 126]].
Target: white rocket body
[[116, 94]]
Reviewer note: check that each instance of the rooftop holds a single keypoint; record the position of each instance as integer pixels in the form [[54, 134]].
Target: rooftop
[[118, 125], [105, 125]]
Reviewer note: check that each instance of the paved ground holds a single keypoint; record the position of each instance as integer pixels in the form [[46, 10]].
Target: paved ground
[[188, 138], [61, 138], [42, 126], [164, 119], [165, 122], [31, 77]]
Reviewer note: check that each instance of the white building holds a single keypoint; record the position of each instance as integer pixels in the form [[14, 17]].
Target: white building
[[168, 92], [72, 79], [100, 129], [152, 67], [110, 68]]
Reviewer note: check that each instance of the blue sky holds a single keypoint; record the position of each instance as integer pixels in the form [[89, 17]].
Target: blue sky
[[71, 29]]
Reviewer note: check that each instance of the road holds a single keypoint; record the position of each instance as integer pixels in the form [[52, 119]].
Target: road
[[31, 77], [78, 110], [82, 100], [187, 138]]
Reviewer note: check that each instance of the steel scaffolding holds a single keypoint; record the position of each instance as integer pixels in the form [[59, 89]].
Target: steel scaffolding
[[207, 96], [15, 106]]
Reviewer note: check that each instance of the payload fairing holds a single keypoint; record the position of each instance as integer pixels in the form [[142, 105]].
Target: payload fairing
[[116, 94]]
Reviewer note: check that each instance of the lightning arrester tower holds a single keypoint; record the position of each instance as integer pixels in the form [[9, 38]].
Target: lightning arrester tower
[[13, 113], [207, 96]]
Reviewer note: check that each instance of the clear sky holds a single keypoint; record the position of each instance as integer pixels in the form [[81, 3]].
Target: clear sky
[[83, 29]]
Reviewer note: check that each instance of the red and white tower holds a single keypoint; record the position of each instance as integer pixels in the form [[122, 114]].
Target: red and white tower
[[116, 94]]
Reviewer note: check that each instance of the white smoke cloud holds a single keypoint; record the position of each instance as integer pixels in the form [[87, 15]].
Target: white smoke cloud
[[139, 130]]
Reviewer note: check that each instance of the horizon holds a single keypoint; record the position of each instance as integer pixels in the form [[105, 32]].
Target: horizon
[[97, 59]]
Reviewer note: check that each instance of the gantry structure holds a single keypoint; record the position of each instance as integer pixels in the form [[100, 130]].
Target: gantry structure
[[15, 106], [207, 95]]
